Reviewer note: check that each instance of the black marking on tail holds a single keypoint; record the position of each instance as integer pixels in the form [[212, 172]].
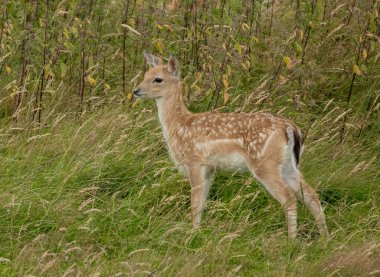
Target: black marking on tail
[[297, 146]]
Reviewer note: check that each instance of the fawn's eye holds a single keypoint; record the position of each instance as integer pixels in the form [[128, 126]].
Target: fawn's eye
[[157, 80]]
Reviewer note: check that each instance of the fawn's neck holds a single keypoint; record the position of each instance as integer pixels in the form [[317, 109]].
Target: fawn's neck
[[171, 111]]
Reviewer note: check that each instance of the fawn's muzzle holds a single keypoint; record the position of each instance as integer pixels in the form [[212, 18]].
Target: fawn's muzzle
[[137, 91]]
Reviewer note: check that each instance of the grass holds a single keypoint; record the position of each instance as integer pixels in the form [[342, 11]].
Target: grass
[[95, 194], [100, 197]]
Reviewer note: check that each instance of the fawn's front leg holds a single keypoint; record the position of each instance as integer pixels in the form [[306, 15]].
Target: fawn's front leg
[[200, 178]]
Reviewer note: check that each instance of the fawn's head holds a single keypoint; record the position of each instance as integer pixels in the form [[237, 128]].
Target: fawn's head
[[160, 80]]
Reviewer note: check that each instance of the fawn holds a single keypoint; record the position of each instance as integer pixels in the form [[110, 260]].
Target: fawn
[[266, 145]]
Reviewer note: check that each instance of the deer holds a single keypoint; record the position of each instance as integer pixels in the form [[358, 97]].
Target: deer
[[267, 146]]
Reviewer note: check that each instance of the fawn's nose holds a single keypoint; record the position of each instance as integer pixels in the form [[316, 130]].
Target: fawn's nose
[[136, 91]]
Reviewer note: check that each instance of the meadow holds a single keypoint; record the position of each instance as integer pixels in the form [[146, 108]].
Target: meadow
[[86, 184]]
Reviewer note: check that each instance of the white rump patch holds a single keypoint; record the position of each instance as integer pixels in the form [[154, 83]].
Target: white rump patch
[[289, 171]]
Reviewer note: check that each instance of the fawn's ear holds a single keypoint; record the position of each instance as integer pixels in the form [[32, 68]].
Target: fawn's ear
[[152, 60], [173, 67]]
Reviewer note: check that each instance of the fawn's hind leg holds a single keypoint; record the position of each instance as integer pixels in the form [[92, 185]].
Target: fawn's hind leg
[[272, 181], [309, 197], [292, 176]]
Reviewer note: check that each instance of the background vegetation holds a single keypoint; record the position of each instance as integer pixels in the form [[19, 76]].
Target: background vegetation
[[87, 188]]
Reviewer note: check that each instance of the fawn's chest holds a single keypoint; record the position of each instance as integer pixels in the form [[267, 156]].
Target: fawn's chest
[[176, 153], [170, 133]]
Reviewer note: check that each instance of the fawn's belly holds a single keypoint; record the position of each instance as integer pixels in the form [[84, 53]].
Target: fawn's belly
[[228, 161]]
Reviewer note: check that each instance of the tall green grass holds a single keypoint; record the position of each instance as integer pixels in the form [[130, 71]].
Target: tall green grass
[[99, 197], [89, 189]]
